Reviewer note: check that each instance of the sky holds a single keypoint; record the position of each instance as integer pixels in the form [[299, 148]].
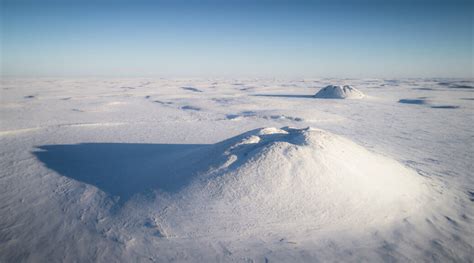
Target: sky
[[339, 38]]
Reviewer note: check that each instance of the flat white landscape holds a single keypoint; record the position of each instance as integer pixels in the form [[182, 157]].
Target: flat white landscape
[[236, 170]]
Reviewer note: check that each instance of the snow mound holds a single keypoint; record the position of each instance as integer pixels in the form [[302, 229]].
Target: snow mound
[[339, 92], [287, 180]]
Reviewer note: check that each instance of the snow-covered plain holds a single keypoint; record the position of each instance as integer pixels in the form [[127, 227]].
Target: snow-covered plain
[[205, 170]]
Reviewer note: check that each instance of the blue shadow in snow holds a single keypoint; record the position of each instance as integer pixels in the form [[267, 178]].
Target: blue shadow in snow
[[445, 107], [413, 101], [286, 96], [124, 169]]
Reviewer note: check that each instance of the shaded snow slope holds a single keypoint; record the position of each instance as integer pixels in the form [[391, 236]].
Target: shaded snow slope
[[339, 92]]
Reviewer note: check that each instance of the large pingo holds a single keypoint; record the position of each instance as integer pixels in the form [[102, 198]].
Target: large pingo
[[284, 180], [339, 92]]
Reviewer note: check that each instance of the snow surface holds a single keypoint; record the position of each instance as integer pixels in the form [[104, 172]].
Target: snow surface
[[339, 92], [206, 170]]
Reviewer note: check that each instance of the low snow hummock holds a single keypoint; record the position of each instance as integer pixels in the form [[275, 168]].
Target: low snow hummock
[[339, 92]]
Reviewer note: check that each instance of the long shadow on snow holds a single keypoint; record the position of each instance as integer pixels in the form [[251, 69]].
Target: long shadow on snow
[[124, 169], [285, 96]]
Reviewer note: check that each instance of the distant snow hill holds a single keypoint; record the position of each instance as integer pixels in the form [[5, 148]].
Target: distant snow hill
[[339, 92]]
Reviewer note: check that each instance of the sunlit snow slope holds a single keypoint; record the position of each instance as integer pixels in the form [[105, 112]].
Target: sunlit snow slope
[[291, 180]]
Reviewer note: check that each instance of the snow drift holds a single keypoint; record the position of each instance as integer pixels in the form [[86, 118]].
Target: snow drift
[[339, 92], [287, 180]]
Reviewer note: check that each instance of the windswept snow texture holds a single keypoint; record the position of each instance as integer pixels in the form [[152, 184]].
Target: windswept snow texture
[[147, 170], [339, 92]]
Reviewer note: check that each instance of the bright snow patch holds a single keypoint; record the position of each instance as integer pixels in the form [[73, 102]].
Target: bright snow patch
[[271, 130], [339, 92]]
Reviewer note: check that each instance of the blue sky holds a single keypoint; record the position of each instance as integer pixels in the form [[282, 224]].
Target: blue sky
[[392, 38]]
